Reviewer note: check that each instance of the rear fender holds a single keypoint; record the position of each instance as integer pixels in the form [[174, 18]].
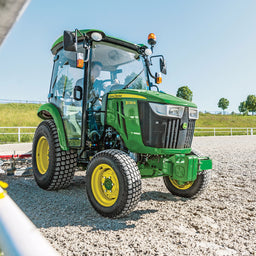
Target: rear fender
[[50, 111]]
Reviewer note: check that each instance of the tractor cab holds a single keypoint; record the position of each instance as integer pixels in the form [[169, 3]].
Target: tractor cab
[[88, 66]]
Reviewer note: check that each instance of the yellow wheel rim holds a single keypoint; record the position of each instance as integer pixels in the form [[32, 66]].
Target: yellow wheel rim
[[42, 155], [181, 185], [105, 185]]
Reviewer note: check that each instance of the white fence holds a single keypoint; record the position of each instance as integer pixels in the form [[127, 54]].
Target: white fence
[[20, 131], [199, 131], [222, 131]]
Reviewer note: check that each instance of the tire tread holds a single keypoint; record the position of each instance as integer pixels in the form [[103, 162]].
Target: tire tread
[[131, 171], [64, 170]]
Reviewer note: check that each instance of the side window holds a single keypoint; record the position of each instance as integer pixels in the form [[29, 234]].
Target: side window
[[64, 79], [59, 76]]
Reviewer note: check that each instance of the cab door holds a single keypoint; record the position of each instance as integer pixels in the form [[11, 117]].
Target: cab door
[[67, 94]]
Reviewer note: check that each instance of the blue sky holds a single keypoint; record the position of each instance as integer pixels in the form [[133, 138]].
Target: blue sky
[[209, 46]]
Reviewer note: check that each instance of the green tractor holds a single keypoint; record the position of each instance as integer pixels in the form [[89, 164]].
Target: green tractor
[[107, 115]]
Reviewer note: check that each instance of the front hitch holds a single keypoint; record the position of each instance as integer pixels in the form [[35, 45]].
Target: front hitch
[[180, 167]]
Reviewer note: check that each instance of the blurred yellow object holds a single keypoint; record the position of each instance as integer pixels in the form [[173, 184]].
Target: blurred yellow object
[[3, 185]]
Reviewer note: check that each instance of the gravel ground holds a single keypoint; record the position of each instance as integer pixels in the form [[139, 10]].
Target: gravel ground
[[12, 149], [220, 222]]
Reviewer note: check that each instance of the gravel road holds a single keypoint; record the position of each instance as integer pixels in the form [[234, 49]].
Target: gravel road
[[220, 222], [15, 148]]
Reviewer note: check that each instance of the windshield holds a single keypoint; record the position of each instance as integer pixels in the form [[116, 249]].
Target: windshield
[[116, 67]]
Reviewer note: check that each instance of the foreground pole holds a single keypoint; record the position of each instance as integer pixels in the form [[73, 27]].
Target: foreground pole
[[18, 235]]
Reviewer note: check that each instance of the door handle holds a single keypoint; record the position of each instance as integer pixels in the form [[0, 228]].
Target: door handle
[[78, 92]]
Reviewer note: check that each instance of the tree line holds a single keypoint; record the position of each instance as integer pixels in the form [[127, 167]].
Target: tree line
[[249, 105]]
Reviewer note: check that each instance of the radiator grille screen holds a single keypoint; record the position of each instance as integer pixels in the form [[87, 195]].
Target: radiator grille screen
[[164, 132]]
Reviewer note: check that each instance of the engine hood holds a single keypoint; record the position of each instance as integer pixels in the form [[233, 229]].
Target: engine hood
[[152, 96]]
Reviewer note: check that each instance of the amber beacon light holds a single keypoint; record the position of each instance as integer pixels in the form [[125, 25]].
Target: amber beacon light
[[152, 39]]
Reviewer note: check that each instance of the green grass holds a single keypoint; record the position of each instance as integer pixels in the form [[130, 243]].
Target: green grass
[[23, 115], [210, 120], [225, 121], [18, 115]]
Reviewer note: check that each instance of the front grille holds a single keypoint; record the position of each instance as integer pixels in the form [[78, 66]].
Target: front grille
[[190, 133], [171, 133], [164, 132]]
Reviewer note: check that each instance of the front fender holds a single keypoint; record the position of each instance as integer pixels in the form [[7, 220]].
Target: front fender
[[50, 111]]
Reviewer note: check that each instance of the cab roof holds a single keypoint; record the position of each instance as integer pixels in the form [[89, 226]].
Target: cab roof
[[58, 44]]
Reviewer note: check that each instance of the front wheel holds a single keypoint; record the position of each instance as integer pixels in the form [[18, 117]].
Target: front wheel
[[113, 183], [190, 189]]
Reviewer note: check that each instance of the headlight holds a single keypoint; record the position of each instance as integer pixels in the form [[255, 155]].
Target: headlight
[[193, 113], [167, 110]]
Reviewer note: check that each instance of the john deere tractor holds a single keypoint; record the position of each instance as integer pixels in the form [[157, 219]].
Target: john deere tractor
[[107, 115]]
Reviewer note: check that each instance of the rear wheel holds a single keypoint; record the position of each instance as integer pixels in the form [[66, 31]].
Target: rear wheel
[[190, 189], [53, 167], [113, 183]]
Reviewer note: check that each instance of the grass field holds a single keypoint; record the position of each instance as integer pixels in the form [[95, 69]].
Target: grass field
[[225, 121], [18, 115], [23, 115], [210, 120]]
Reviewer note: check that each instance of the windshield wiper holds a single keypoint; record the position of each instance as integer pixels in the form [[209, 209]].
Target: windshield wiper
[[133, 79]]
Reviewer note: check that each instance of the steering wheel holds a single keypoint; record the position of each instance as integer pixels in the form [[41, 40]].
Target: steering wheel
[[106, 80]]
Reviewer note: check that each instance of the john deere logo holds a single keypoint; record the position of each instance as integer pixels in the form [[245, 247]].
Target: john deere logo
[[184, 126]]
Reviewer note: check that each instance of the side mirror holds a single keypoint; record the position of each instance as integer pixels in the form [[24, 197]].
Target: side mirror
[[70, 41], [163, 67]]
